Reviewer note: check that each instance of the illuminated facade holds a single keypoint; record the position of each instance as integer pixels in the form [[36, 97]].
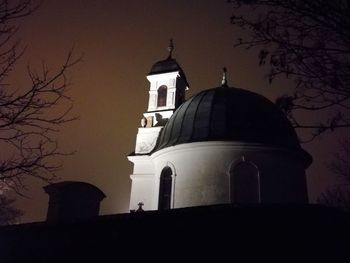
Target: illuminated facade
[[223, 145], [167, 91]]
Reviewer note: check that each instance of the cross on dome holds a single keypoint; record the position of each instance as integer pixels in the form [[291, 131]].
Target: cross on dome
[[171, 47], [224, 78]]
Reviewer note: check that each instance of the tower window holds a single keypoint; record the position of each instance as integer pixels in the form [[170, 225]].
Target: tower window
[[162, 95], [165, 186], [245, 183]]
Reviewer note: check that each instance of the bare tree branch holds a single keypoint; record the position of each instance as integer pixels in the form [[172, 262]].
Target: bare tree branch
[[307, 41], [29, 117]]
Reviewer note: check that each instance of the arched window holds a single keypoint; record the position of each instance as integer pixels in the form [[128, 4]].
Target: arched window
[[165, 186], [245, 183], [162, 94]]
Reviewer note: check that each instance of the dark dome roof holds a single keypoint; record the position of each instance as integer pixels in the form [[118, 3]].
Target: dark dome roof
[[164, 66], [228, 114]]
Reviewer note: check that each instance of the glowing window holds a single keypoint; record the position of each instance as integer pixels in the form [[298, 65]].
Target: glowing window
[[245, 183], [162, 94], [165, 185]]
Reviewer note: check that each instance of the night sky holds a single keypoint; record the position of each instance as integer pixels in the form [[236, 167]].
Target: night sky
[[120, 40]]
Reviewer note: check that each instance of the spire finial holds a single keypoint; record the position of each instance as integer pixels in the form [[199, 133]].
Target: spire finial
[[170, 47], [224, 79]]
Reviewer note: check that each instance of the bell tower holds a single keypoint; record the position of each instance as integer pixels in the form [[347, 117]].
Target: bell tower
[[166, 93]]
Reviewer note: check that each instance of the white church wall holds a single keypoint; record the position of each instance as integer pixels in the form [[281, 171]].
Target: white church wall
[[203, 172], [142, 189], [146, 139], [142, 182]]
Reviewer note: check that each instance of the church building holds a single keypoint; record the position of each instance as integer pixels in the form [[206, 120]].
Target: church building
[[223, 145]]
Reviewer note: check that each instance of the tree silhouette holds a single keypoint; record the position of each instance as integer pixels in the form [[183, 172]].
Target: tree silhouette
[[307, 41], [30, 116], [9, 214], [339, 196], [336, 197]]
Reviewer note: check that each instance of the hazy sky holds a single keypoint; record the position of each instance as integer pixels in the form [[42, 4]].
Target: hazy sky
[[120, 40]]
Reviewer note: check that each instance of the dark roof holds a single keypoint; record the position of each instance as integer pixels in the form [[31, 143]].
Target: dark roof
[[165, 66], [228, 114], [70, 188], [225, 231]]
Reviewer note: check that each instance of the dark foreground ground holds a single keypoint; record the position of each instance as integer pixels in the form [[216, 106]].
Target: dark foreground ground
[[210, 233]]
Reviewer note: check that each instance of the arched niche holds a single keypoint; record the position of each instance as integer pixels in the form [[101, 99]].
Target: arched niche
[[245, 183], [162, 96]]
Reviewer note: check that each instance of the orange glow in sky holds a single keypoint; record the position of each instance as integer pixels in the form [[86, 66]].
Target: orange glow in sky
[[120, 40]]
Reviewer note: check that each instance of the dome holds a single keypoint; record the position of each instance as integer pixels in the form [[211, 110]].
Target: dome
[[228, 114]]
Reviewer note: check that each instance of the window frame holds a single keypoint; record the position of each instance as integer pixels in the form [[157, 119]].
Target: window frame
[[167, 182]]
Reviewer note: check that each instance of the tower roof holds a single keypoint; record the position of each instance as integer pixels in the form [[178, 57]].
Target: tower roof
[[167, 65]]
